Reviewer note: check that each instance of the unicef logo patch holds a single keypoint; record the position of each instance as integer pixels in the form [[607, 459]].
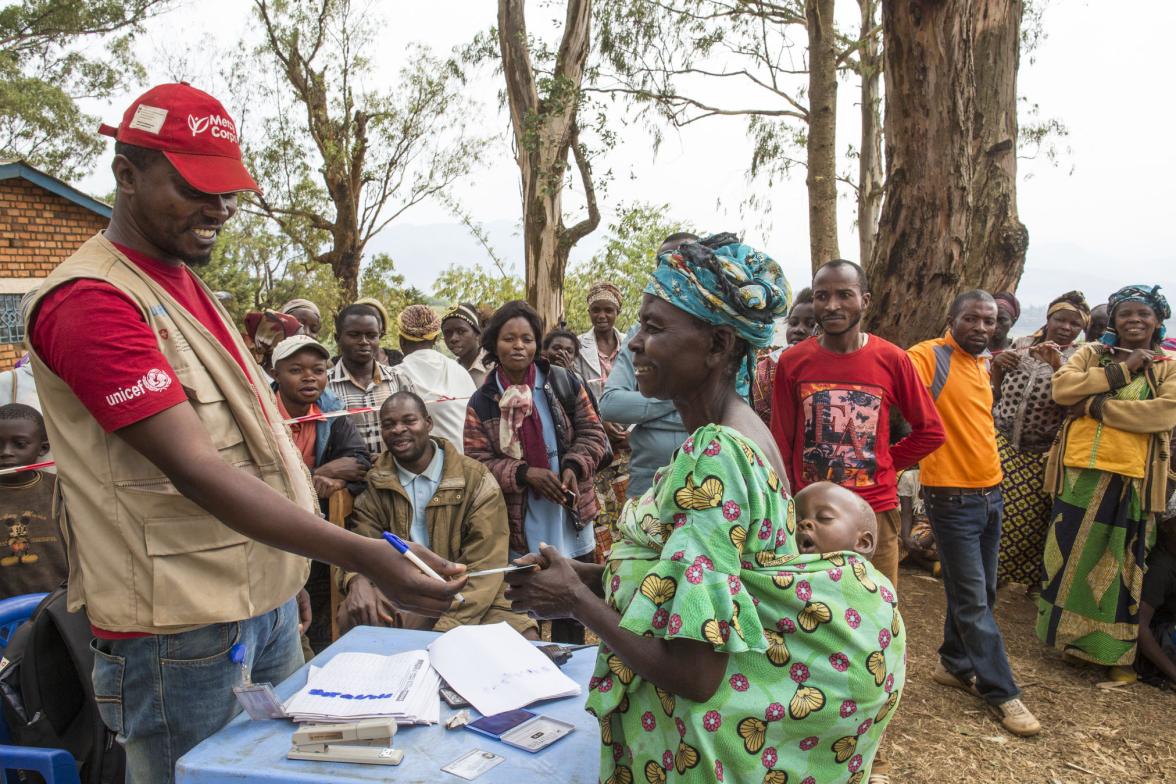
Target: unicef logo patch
[[156, 380]]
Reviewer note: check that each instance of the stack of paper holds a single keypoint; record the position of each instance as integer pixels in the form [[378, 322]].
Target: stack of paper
[[355, 686], [496, 669]]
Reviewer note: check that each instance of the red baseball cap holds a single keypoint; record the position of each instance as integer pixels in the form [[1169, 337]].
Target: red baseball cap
[[193, 130]]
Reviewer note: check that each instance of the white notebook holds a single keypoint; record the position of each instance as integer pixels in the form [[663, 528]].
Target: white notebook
[[497, 669], [356, 686]]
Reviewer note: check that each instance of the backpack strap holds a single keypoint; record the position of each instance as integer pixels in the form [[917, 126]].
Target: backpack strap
[[566, 388]]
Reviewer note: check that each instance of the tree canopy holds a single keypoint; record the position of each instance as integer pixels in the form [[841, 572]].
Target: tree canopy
[[54, 53], [339, 161]]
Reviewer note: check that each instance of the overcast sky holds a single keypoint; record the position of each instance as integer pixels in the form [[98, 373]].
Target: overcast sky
[[1101, 217]]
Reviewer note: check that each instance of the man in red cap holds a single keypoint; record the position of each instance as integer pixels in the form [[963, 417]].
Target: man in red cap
[[187, 510]]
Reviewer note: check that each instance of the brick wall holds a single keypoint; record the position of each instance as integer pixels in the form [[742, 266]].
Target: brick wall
[[9, 353], [38, 230]]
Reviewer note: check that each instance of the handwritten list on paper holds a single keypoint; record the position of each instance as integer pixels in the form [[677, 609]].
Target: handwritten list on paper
[[496, 669]]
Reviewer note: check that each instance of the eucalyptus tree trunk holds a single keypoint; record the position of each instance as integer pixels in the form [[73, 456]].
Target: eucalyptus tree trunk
[[822, 132], [870, 176], [949, 217], [545, 132]]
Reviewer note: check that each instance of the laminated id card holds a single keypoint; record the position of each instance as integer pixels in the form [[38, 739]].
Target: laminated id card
[[522, 729], [260, 701], [473, 764]]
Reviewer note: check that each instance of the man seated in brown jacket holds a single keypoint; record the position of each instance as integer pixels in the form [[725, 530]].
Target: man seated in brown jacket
[[425, 490]]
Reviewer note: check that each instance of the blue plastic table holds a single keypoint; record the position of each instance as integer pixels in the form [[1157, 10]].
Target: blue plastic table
[[247, 750]]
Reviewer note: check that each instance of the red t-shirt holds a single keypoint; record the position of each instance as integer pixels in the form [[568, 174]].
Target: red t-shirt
[[96, 340], [831, 417]]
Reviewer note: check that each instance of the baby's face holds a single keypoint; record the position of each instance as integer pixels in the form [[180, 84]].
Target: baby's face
[[832, 519]]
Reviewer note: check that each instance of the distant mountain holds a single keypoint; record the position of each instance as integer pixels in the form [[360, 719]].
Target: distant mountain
[[1054, 269], [421, 251]]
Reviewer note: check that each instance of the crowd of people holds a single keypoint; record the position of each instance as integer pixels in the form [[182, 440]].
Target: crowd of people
[[722, 495]]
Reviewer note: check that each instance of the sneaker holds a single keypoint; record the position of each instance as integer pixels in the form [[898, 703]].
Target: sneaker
[[1017, 719], [945, 678]]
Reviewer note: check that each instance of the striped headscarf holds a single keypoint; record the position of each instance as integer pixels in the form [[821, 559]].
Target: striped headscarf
[[1073, 301], [466, 313], [725, 283], [602, 290], [1008, 302], [1148, 295]]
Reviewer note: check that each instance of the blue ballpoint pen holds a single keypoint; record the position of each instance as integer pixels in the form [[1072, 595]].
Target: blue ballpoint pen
[[402, 548]]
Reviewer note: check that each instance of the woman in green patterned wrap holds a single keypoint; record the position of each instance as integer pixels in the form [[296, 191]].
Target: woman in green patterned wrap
[[727, 654], [1108, 470]]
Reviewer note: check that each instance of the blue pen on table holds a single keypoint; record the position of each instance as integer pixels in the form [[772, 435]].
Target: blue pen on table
[[402, 548]]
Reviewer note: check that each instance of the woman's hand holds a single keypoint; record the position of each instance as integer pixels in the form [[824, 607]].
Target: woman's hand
[[545, 483], [1048, 352], [590, 574], [570, 483], [1138, 359], [551, 592], [618, 436], [1006, 361]]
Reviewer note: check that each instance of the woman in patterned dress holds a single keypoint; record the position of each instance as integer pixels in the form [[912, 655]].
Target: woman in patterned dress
[[1108, 469], [726, 654], [1027, 420]]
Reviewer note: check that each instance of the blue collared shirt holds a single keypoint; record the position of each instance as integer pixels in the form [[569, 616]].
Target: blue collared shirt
[[421, 488]]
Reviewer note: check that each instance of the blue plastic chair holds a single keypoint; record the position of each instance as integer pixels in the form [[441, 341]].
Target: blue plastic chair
[[14, 612], [56, 766]]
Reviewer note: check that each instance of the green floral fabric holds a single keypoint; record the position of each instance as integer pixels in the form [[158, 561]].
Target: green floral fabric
[[817, 649]]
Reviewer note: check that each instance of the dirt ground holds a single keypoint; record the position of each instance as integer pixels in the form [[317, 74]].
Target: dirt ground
[[1090, 735]]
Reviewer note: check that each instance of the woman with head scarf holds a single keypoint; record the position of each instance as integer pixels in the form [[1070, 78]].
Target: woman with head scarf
[[461, 326], [726, 652], [600, 345], [307, 314], [533, 425], [1008, 311], [598, 350], [1027, 419], [1108, 469]]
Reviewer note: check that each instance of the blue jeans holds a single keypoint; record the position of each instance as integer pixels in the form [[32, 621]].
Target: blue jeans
[[165, 693], [967, 535]]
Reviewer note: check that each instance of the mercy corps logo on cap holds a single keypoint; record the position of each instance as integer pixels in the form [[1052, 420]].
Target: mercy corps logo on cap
[[193, 131]]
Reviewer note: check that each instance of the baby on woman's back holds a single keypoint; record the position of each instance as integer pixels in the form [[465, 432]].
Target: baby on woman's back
[[831, 518]]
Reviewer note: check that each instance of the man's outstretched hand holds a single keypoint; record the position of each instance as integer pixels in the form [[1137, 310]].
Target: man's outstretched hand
[[406, 586]]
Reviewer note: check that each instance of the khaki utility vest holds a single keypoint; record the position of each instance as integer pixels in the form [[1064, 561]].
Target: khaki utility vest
[[142, 557]]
